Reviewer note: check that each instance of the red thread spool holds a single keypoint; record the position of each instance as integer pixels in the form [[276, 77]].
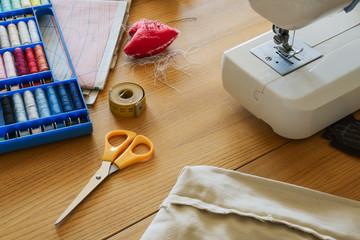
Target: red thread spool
[[20, 62], [30, 57], [49, 80], [25, 85], [41, 58], [37, 83]]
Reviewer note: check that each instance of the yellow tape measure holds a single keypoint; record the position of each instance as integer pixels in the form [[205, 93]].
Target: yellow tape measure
[[127, 100]]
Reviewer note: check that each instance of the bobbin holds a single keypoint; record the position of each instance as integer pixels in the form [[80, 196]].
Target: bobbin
[[127, 100]]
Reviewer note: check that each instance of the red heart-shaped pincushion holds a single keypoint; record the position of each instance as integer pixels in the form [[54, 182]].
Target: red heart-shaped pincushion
[[149, 38]]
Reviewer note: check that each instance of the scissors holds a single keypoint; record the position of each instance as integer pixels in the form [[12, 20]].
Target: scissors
[[111, 163]]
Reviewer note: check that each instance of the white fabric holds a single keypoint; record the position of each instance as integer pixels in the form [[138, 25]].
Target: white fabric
[[214, 203]]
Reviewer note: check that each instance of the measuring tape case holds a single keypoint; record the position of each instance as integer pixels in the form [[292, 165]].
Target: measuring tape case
[[47, 129]]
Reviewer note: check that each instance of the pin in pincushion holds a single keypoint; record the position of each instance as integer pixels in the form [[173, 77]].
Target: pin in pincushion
[[149, 37]]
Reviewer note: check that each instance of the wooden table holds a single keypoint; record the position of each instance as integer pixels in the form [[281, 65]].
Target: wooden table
[[200, 124]]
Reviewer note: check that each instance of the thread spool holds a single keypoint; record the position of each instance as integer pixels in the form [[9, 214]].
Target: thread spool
[[13, 35], [7, 110], [14, 87], [74, 121], [64, 98], [20, 62], [25, 3], [41, 58], [53, 100], [37, 83], [36, 130], [24, 33], [16, 4], [2, 68], [60, 124], [30, 105], [48, 80], [25, 85], [9, 64], [19, 108], [42, 103], [23, 133], [35, 3], [6, 5], [31, 60], [11, 135], [4, 38], [34, 35], [48, 127], [75, 96], [127, 100], [2, 90]]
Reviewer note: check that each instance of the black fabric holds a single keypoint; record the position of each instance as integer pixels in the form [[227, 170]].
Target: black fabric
[[345, 135]]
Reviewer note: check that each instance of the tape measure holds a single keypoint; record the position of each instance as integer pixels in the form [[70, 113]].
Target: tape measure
[[127, 100]]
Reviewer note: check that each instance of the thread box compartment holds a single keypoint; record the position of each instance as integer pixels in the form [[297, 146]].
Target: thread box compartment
[[36, 108]]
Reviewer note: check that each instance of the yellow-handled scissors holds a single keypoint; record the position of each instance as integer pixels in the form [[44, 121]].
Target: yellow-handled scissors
[[111, 162]]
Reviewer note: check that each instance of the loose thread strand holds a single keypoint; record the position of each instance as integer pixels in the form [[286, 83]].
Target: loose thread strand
[[165, 63]]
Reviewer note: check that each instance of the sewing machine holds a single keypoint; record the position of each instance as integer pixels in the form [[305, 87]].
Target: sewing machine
[[299, 83]]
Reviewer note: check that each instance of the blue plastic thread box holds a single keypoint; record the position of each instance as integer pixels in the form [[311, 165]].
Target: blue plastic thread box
[[56, 127]]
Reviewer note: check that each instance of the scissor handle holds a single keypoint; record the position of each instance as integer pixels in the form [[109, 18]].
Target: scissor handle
[[111, 152], [129, 157]]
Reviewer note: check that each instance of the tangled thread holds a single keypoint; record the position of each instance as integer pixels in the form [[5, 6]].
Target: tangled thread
[[165, 63]]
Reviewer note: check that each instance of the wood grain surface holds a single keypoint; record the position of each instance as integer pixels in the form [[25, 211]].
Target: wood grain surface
[[197, 124]]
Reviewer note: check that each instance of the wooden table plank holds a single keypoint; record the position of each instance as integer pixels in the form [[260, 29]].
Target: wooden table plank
[[198, 125], [311, 163], [135, 231]]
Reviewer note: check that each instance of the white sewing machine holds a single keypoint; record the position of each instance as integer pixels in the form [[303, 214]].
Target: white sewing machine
[[299, 85]]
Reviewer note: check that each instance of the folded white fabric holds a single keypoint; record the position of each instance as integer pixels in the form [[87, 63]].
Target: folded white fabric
[[215, 203]]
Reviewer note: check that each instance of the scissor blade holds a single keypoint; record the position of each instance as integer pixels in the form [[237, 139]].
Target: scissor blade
[[113, 169], [99, 176]]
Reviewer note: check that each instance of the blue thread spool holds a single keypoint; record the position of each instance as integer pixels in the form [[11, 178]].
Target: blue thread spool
[[75, 96], [74, 121], [42, 103], [83, 119], [48, 127], [64, 98], [7, 110], [60, 124], [53, 100], [19, 108]]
